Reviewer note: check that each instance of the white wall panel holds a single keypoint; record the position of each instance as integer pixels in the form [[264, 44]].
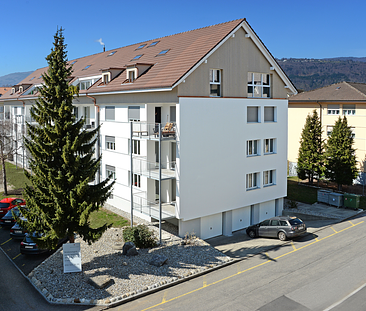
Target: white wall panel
[[241, 218]]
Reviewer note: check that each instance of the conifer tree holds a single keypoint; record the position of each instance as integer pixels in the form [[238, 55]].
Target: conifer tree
[[61, 197], [310, 159], [341, 164]]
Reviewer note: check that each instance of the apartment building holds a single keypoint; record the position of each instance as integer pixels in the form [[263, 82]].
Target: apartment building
[[193, 126], [331, 102]]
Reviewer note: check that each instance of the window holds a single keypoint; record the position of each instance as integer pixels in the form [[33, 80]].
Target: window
[[137, 57], [259, 85], [110, 171], [141, 46], [163, 52], [110, 142], [110, 113], [86, 67], [269, 114], [136, 147], [269, 177], [105, 78], [252, 147], [253, 114], [133, 113], [111, 53], [73, 62], [154, 43], [84, 85], [215, 82], [269, 146], [252, 181], [333, 109], [329, 130], [137, 180], [173, 114], [349, 110], [131, 76], [76, 112]]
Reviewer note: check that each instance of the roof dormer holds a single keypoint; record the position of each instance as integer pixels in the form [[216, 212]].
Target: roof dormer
[[109, 74], [133, 71]]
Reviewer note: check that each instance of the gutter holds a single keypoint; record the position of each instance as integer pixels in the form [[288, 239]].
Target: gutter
[[98, 138]]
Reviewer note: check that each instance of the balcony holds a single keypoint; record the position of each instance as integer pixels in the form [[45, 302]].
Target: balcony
[[151, 169], [151, 209], [151, 130]]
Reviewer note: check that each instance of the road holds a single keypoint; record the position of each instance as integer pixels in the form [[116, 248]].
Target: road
[[318, 272]]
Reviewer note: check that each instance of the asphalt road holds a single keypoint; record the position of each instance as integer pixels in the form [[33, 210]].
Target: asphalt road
[[317, 272]]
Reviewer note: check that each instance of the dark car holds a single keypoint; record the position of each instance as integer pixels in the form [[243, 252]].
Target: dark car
[[17, 232], [8, 220], [8, 203], [29, 247], [282, 227]]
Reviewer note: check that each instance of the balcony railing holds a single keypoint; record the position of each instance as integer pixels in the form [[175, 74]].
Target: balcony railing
[[151, 169], [151, 130], [152, 208]]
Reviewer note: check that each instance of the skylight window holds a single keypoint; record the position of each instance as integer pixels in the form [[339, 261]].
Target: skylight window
[[111, 53], [163, 52], [154, 43], [73, 62], [137, 57], [141, 46], [32, 79], [86, 67]]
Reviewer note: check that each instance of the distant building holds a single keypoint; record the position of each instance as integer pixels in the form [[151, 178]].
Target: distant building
[[193, 125], [3, 90], [331, 102]]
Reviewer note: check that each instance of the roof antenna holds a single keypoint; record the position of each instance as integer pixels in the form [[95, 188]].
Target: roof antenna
[[101, 42]]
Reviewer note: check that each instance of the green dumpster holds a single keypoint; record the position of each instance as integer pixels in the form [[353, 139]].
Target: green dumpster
[[351, 200]]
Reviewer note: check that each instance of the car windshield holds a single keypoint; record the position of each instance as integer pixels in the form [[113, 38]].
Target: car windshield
[[295, 221], [15, 210], [4, 205]]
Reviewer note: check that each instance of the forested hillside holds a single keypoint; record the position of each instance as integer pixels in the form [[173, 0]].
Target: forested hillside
[[309, 74]]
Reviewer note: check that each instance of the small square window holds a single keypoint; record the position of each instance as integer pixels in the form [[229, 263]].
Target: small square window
[[252, 181], [215, 82], [110, 171], [269, 146], [269, 178], [110, 143], [252, 147], [253, 114]]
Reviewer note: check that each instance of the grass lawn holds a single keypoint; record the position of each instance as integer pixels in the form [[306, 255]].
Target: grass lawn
[[17, 180]]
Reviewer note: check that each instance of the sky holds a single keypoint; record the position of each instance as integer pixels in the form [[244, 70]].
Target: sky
[[289, 28]]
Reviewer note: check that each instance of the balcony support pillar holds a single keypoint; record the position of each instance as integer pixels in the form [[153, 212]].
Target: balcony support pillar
[[160, 210]]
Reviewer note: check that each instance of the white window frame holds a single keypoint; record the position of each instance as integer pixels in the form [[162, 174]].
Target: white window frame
[[253, 148], [333, 109], [259, 85], [216, 82], [110, 170], [269, 178], [110, 142], [136, 181], [268, 147], [252, 181], [349, 109], [136, 147]]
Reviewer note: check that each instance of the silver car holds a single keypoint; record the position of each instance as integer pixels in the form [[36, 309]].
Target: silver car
[[282, 227]]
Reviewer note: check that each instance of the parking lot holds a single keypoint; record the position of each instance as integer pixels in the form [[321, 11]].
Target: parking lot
[[12, 248]]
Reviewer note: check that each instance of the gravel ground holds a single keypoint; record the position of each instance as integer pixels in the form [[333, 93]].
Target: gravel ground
[[128, 275]]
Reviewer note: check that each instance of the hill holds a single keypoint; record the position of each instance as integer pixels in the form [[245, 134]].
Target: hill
[[13, 78], [308, 74]]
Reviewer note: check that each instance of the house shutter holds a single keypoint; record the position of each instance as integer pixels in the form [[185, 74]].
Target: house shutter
[[133, 113], [252, 114], [268, 113], [109, 113]]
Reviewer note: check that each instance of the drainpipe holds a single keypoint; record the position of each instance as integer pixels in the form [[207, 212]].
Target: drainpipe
[[98, 137]]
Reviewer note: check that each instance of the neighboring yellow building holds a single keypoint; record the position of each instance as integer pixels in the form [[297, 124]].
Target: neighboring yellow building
[[344, 98]]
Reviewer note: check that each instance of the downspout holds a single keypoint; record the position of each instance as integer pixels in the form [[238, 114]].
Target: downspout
[[98, 138]]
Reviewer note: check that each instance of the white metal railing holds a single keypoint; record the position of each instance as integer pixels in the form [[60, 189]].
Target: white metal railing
[[151, 169], [151, 130], [151, 209]]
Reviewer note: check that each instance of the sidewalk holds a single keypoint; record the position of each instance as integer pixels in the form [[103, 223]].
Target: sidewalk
[[315, 216]]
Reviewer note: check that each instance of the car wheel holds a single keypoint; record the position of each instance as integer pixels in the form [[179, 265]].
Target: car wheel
[[251, 234], [282, 236]]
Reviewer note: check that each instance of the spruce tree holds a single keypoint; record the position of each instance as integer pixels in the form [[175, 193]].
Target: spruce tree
[[310, 159], [341, 164], [61, 198]]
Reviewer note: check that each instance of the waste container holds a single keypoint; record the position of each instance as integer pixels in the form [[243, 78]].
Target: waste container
[[351, 200], [336, 199], [323, 196]]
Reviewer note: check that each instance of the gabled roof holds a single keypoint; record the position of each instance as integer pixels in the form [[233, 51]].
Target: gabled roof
[[343, 91], [185, 51]]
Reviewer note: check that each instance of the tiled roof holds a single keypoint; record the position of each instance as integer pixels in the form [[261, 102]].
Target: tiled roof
[[343, 91], [185, 50], [3, 90]]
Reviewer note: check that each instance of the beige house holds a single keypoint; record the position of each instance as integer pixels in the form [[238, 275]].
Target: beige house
[[340, 99]]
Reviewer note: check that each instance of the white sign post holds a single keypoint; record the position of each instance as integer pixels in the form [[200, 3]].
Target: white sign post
[[72, 257]]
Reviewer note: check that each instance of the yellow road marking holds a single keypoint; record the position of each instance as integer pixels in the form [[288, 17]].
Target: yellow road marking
[[6, 241], [246, 270], [16, 256], [293, 245], [334, 230], [351, 222], [164, 298], [204, 281]]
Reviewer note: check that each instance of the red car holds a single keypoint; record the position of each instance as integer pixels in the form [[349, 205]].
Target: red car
[[8, 203]]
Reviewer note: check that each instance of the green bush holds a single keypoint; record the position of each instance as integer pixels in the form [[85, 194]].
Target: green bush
[[140, 235]]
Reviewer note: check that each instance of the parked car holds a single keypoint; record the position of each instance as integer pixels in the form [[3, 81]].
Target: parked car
[[29, 247], [17, 232], [8, 203], [8, 220], [282, 227]]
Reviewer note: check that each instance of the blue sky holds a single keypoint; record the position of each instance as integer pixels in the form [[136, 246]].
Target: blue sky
[[297, 28]]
